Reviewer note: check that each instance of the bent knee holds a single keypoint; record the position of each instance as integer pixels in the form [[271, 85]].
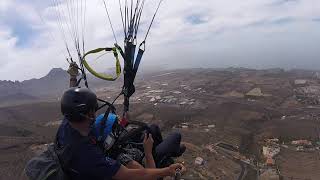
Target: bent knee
[[177, 136], [154, 128], [134, 165]]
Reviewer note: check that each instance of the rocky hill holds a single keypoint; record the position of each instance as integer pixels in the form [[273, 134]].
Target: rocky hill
[[49, 87]]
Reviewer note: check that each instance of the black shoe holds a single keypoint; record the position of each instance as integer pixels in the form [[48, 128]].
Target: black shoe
[[166, 162], [180, 152]]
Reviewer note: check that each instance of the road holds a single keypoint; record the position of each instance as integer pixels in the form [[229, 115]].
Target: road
[[243, 170], [241, 164]]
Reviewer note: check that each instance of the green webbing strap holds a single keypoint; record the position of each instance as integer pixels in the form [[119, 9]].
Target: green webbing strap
[[49, 174], [99, 75]]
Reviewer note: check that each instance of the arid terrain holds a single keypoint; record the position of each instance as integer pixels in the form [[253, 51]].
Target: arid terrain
[[236, 123]]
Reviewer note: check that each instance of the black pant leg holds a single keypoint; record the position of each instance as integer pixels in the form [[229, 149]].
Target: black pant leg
[[156, 134], [169, 146]]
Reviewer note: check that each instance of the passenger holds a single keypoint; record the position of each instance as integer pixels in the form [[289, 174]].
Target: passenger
[[163, 150]]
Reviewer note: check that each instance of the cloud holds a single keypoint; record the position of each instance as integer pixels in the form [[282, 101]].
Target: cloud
[[282, 2], [195, 19], [283, 21], [206, 33]]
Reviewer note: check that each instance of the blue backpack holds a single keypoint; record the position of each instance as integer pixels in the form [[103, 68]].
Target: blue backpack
[[103, 126]]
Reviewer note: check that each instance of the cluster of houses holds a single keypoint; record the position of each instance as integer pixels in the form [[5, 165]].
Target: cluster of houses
[[272, 147], [270, 150], [303, 145], [163, 96], [306, 92]]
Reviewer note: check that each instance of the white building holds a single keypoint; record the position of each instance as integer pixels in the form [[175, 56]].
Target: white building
[[300, 82], [270, 151]]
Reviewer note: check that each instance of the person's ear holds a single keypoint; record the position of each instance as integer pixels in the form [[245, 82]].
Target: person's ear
[[92, 114]]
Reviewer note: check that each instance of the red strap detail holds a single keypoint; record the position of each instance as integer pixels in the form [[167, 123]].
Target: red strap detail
[[93, 140], [124, 122]]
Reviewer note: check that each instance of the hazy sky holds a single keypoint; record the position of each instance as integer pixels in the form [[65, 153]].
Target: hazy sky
[[186, 33]]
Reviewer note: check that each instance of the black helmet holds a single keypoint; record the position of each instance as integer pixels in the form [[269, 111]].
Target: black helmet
[[77, 102]]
